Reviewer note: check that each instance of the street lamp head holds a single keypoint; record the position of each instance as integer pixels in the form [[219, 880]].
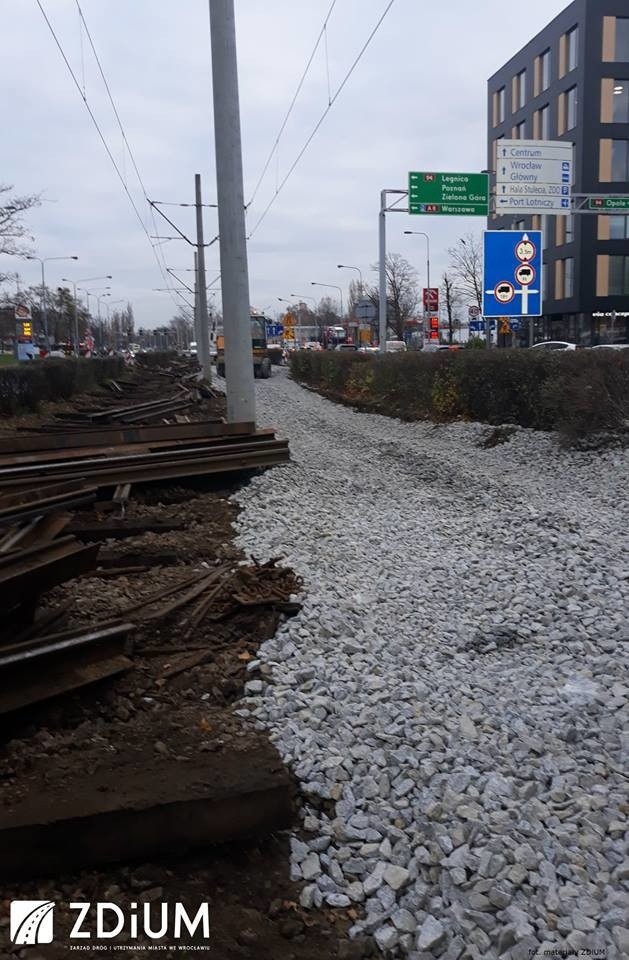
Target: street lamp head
[[408, 231], [73, 258]]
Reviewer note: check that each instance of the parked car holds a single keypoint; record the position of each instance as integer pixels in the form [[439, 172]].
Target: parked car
[[610, 346], [554, 345], [369, 350], [396, 346], [346, 347]]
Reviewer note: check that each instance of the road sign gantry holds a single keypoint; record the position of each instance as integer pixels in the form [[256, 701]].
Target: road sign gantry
[[448, 194]]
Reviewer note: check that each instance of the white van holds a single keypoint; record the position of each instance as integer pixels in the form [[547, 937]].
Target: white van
[[395, 346]]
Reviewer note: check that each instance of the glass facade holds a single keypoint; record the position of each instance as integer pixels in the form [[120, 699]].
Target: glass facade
[[520, 86], [619, 228], [501, 105], [618, 276], [620, 160], [568, 284], [621, 101], [571, 108], [545, 69], [572, 43], [544, 122], [622, 39]]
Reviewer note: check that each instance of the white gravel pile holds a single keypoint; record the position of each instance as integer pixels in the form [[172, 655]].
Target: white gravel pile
[[452, 695]]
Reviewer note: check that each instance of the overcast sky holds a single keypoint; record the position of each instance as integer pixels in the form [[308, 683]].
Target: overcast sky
[[417, 100]]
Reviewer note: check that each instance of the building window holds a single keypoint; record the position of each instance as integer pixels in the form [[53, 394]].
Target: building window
[[520, 90], [520, 131], [621, 101], [568, 275], [618, 228], [545, 69], [620, 161], [571, 108], [572, 41], [500, 101], [618, 276], [544, 123], [569, 228], [545, 231], [622, 39]]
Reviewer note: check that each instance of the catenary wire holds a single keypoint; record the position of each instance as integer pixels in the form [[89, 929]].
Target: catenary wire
[[321, 119], [101, 135], [292, 104]]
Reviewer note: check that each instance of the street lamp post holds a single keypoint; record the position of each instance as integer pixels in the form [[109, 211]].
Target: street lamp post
[[44, 307], [76, 312], [346, 266], [92, 293], [420, 233], [315, 283]]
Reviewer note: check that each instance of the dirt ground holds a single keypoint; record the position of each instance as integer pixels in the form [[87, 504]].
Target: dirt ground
[[146, 712]]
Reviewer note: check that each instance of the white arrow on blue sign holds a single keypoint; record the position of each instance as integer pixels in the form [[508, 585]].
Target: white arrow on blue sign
[[512, 273]]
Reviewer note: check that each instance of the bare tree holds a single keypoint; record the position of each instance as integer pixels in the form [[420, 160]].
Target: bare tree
[[466, 267], [402, 293], [450, 296], [182, 326], [14, 236]]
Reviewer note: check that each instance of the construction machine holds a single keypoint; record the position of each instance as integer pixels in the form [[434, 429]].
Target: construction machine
[[259, 349]]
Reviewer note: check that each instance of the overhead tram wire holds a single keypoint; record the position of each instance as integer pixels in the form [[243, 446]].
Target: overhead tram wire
[[321, 119], [101, 135], [162, 265], [292, 104]]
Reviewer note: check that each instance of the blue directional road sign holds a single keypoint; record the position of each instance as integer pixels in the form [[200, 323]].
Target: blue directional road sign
[[478, 326], [512, 273], [274, 329]]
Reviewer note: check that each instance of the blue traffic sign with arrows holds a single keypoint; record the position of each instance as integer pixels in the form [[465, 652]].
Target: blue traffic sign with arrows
[[512, 273]]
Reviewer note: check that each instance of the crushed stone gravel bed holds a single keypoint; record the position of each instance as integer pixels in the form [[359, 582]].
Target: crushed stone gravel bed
[[452, 695]]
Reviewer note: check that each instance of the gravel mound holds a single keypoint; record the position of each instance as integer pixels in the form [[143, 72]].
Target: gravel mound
[[452, 695]]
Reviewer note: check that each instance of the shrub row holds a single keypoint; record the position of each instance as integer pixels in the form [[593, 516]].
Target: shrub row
[[577, 393], [25, 386]]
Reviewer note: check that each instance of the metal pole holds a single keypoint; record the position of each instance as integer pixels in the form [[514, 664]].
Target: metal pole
[[197, 331], [44, 308], [76, 323], [203, 343], [383, 272], [231, 214]]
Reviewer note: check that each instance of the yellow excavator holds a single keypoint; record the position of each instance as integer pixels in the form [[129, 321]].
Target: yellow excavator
[[259, 350]]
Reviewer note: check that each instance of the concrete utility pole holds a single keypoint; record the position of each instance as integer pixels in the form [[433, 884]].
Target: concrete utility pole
[[197, 331], [203, 342], [231, 214]]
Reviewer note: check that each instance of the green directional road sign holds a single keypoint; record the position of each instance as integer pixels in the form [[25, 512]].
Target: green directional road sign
[[609, 204], [450, 194]]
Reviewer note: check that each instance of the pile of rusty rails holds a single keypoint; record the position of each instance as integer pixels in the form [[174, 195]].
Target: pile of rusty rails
[[93, 457]]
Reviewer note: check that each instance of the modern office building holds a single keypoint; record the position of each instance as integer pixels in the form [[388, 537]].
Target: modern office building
[[571, 82]]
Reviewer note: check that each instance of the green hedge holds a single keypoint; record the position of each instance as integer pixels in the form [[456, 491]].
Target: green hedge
[[25, 386], [577, 393]]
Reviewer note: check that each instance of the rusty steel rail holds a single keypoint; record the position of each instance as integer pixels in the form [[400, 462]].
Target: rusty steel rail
[[27, 573], [57, 437], [184, 462], [39, 669]]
